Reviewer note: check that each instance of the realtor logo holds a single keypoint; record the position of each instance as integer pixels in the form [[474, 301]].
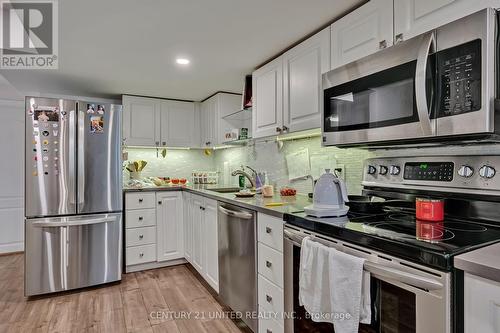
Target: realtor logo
[[28, 35]]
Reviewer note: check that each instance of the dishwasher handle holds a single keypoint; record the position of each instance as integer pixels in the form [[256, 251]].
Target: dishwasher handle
[[232, 213]]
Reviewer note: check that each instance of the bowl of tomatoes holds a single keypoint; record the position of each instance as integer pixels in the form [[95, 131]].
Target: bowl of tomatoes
[[288, 191]]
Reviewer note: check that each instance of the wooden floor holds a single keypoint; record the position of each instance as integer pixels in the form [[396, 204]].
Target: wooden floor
[[124, 307]]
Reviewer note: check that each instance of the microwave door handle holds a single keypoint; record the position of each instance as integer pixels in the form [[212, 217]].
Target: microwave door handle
[[427, 46]]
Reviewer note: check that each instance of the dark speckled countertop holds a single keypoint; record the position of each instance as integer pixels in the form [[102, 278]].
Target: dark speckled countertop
[[258, 203]]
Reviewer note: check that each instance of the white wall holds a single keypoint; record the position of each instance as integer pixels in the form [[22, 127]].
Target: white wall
[[12, 169]]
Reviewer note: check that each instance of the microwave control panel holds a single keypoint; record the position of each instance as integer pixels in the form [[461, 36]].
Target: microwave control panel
[[459, 73]]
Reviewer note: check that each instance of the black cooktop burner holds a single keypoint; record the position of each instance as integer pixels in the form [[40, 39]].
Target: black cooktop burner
[[400, 234]]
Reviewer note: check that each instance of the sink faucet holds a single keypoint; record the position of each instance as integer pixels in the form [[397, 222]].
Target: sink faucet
[[243, 173]]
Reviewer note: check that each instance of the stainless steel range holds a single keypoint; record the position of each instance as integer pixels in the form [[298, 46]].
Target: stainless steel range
[[411, 261]]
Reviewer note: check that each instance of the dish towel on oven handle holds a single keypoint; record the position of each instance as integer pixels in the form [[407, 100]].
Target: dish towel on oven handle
[[333, 284]]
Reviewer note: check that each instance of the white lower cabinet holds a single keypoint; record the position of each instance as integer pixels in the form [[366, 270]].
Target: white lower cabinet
[[270, 273], [482, 305], [170, 226], [211, 245], [202, 238]]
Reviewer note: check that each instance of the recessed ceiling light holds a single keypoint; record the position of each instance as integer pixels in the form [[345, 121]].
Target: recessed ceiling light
[[182, 61]]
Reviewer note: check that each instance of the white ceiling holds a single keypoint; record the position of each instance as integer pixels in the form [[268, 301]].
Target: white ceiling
[[108, 48]]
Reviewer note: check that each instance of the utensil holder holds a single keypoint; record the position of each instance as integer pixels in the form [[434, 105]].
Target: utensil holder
[[135, 175]]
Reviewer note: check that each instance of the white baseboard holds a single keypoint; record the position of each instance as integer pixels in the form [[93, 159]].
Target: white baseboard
[[152, 265], [12, 247]]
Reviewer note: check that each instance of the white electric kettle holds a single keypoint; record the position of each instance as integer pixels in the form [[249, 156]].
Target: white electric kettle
[[329, 198]]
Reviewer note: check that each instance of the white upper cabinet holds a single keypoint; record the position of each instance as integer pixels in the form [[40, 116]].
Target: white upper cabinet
[[178, 120], [153, 122], [141, 121], [362, 32], [267, 109], [302, 94], [414, 17], [213, 111], [170, 228], [208, 122]]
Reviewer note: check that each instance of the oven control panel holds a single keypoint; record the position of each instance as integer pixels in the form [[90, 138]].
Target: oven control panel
[[457, 173], [433, 171], [459, 75]]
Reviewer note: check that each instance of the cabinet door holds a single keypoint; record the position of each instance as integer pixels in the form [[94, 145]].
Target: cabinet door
[[197, 220], [177, 124], [141, 121], [169, 214], [188, 226], [208, 123], [211, 250], [302, 94], [362, 32], [267, 110], [414, 17], [482, 305]]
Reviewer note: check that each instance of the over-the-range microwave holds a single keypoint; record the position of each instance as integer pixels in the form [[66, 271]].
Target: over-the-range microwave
[[439, 87]]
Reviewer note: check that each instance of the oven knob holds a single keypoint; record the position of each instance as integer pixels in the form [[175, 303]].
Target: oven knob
[[394, 170], [383, 170], [371, 170], [465, 171], [487, 172]]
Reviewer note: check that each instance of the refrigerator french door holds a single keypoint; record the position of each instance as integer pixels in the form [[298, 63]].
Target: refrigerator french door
[[73, 199]]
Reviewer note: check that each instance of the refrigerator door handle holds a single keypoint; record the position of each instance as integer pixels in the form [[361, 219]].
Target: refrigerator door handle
[[74, 223], [72, 157], [81, 159]]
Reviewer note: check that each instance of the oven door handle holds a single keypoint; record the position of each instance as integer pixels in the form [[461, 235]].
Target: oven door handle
[[420, 85], [403, 277], [380, 270]]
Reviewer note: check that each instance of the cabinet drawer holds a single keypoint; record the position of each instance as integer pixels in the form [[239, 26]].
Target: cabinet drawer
[[268, 323], [270, 231], [140, 218], [140, 236], [270, 264], [140, 200], [270, 296], [140, 254]]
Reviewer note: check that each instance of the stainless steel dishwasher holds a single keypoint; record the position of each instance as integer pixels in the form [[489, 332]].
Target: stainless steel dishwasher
[[237, 260]]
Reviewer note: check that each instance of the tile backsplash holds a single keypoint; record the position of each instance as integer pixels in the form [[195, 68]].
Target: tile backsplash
[[262, 155], [268, 156], [176, 164]]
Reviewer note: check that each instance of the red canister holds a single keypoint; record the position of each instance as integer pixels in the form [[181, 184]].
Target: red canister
[[430, 209]]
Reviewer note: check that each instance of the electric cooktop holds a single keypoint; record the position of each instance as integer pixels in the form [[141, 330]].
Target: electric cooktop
[[399, 233]]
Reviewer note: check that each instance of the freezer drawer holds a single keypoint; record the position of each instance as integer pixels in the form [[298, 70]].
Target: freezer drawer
[[72, 252]]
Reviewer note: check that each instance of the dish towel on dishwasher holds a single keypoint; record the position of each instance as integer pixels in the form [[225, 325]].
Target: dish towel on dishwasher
[[332, 284]]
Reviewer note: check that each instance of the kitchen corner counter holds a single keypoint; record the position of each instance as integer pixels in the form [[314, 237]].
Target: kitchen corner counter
[[258, 203], [482, 262]]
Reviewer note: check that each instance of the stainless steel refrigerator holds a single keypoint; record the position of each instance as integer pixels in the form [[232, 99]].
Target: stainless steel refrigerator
[[73, 194]]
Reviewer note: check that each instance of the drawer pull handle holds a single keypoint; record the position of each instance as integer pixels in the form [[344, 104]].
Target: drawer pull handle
[[268, 230], [141, 218], [141, 200], [141, 236], [268, 299], [268, 264], [141, 254], [269, 331]]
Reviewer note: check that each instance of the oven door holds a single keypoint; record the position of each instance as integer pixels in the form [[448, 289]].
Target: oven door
[[405, 298], [384, 97]]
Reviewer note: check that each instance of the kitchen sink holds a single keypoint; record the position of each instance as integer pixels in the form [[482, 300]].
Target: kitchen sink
[[225, 189]]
